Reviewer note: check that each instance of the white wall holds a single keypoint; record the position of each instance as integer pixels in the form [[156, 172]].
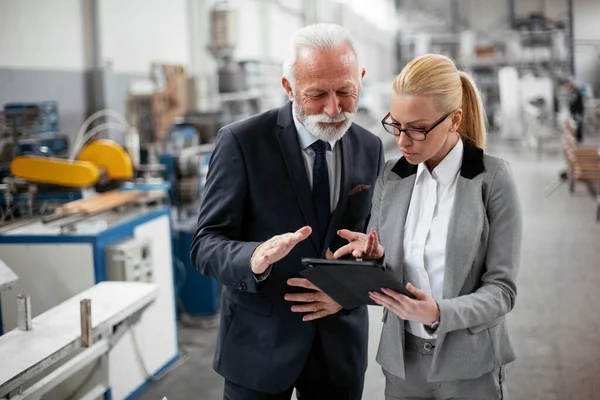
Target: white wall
[[42, 34], [587, 20], [264, 28], [136, 33]]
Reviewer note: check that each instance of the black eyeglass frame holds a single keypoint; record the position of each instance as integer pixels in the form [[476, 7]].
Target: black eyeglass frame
[[398, 128]]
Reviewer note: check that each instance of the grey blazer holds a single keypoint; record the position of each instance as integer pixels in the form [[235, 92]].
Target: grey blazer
[[482, 260]]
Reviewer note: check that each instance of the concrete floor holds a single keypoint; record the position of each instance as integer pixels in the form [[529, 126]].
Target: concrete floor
[[555, 325]]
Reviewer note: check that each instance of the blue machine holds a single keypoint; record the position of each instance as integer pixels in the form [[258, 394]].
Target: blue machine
[[39, 118], [197, 294], [36, 127], [185, 168], [35, 130]]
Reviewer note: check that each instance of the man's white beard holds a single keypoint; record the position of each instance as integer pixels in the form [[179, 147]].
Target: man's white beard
[[323, 132]]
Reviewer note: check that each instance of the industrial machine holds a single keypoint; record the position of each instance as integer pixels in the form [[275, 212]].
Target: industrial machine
[[40, 173], [118, 229], [30, 129], [236, 100], [100, 161], [179, 156], [198, 295], [185, 167]]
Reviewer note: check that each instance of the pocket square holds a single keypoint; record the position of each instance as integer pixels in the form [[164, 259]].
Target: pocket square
[[358, 188]]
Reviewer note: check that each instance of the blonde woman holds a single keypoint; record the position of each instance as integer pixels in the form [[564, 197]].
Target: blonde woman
[[446, 220]]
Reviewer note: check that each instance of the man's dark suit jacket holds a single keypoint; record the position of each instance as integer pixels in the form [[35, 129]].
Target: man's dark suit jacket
[[257, 187]]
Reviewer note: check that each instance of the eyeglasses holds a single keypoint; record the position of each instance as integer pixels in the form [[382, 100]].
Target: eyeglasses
[[417, 135]]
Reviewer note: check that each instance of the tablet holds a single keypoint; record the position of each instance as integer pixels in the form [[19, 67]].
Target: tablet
[[349, 282]]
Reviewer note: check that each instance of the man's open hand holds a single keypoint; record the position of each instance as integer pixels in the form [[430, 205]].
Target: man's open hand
[[276, 248]]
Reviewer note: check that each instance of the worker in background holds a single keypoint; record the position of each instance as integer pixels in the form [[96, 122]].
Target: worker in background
[[279, 186], [446, 220], [576, 106]]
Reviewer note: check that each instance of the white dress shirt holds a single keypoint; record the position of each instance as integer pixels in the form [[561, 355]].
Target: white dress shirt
[[426, 228], [334, 162]]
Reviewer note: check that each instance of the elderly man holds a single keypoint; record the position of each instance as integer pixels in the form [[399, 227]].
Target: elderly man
[[280, 186]]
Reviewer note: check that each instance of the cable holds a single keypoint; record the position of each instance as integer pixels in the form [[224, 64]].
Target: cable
[[181, 266], [91, 118], [100, 128], [85, 380], [138, 353], [81, 134], [87, 136], [92, 132], [9, 213]]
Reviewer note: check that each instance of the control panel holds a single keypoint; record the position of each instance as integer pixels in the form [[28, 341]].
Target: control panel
[[130, 260]]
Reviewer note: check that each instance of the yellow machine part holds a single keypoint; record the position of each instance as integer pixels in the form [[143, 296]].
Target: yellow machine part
[[55, 171], [110, 157]]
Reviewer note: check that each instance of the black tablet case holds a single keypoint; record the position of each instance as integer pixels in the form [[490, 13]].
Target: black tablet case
[[349, 282]]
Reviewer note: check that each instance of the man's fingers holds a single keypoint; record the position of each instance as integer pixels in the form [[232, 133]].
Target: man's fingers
[[301, 282], [288, 239], [310, 307], [357, 253], [304, 297], [302, 233], [273, 254], [317, 315]]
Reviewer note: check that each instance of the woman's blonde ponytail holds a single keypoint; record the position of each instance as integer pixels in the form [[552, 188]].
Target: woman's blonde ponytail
[[473, 125]]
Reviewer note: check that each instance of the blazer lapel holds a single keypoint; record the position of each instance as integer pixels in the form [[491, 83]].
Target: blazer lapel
[[392, 221], [290, 147], [392, 216], [466, 223], [346, 154]]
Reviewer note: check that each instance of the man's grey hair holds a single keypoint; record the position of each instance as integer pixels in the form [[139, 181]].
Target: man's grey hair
[[320, 37]]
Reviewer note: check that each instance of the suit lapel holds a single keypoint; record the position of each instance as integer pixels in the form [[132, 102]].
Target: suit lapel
[[392, 219], [290, 147], [393, 213], [345, 182], [464, 233]]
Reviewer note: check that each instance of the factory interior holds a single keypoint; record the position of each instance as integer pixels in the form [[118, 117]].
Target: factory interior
[[110, 112]]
